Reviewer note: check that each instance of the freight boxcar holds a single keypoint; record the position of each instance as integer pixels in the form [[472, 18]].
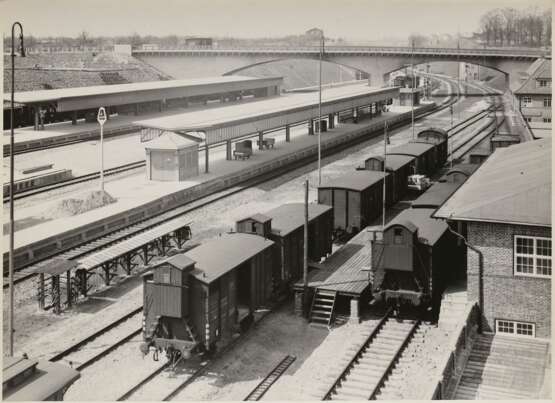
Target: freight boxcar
[[424, 154], [459, 173], [399, 167], [440, 139], [415, 260], [196, 299], [436, 195], [356, 199], [285, 226]]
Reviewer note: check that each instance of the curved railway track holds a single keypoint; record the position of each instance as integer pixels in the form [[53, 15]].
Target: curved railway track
[[367, 370]]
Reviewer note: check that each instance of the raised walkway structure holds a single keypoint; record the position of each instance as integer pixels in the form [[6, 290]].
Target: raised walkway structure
[[376, 61]]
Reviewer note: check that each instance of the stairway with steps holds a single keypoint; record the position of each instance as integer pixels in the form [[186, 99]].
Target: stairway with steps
[[321, 312], [367, 372], [393, 385], [503, 367]]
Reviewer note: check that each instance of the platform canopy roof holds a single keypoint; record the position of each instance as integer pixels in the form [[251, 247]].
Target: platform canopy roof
[[289, 217], [218, 256], [234, 121], [79, 98], [356, 180], [512, 186]]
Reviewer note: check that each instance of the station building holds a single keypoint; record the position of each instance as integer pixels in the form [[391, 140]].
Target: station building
[[504, 212], [534, 97]]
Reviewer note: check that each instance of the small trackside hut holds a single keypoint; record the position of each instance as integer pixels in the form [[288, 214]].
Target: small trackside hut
[[285, 226], [356, 199], [415, 260], [202, 297]]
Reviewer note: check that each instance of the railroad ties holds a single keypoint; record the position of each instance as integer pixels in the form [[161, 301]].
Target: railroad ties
[[273, 376], [366, 373]]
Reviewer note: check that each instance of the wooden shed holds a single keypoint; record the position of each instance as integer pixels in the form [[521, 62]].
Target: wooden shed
[[424, 154], [202, 296], [399, 168], [356, 199], [285, 226], [171, 157]]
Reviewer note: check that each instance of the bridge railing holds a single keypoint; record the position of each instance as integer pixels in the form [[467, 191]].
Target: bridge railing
[[353, 49]]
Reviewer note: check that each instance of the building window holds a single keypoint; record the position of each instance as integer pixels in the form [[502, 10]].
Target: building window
[[166, 277], [546, 120], [532, 256], [528, 119], [547, 102], [544, 83], [397, 236], [526, 101], [515, 328]]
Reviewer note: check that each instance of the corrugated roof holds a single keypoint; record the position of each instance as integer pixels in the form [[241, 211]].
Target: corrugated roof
[[217, 256], [356, 180], [436, 195], [170, 141], [289, 217], [541, 68], [414, 149], [79, 92], [512, 186], [430, 230]]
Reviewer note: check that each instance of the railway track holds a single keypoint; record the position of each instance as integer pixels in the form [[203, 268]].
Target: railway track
[[270, 379], [366, 372], [83, 250]]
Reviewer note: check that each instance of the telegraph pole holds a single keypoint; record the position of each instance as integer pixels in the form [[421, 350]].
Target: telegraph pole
[[320, 111], [412, 92], [385, 139], [101, 117], [305, 250]]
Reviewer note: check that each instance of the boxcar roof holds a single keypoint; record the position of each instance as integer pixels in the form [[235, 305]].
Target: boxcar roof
[[512, 186], [356, 180], [395, 161], [414, 149], [467, 169], [48, 379], [430, 230], [436, 195], [288, 217], [217, 256]]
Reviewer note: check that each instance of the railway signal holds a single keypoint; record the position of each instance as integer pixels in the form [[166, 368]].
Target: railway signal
[[101, 118]]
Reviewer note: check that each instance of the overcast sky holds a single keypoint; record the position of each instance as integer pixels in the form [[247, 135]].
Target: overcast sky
[[357, 19]]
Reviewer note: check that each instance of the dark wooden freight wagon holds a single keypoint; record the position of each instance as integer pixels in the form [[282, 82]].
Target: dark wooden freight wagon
[[285, 226], [440, 139], [356, 199], [399, 168], [424, 154], [204, 295]]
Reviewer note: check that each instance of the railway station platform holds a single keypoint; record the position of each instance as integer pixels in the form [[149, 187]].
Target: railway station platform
[[138, 199]]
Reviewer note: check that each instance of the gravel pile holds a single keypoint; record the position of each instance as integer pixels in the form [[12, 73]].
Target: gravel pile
[[79, 205]]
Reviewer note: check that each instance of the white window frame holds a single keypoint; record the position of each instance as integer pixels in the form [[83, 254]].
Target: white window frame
[[546, 120], [548, 102], [533, 256], [526, 101], [514, 325]]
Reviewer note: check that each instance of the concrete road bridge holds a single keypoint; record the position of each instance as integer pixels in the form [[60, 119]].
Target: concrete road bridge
[[376, 62]]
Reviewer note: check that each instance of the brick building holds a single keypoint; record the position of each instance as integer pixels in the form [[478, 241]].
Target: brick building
[[504, 212], [534, 97]]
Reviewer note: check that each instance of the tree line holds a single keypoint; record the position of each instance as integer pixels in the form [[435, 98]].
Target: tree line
[[511, 27]]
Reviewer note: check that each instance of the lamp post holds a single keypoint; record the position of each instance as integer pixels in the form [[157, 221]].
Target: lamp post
[[11, 257], [412, 87], [320, 111]]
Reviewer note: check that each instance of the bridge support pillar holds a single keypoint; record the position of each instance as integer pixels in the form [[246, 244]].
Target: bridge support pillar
[[260, 140], [287, 133], [136, 109], [228, 150], [310, 127], [354, 317], [206, 152], [355, 115], [185, 103], [160, 106], [331, 120], [36, 124], [74, 118]]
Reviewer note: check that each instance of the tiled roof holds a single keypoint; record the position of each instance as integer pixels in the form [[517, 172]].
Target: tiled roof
[[541, 68], [512, 186]]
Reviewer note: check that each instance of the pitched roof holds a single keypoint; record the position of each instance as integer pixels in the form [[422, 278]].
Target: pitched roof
[[169, 141], [541, 68], [179, 261], [512, 186], [430, 230], [288, 217], [357, 180], [217, 256]]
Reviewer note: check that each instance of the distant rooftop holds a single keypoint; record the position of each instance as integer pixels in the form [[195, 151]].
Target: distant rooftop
[[512, 186], [540, 69]]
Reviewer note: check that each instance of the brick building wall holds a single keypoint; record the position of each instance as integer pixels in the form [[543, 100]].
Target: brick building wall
[[506, 296]]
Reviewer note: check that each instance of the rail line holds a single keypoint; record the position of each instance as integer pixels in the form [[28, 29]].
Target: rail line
[[89, 360], [366, 372], [270, 379], [25, 273]]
